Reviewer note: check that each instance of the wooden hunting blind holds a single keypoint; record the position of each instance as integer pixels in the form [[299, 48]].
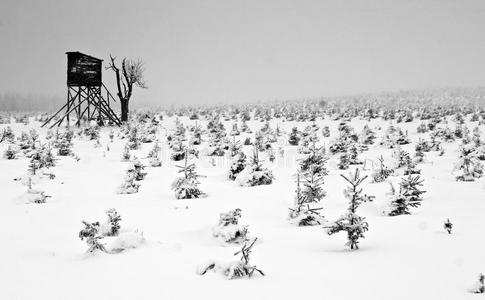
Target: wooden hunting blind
[[87, 96], [83, 70]]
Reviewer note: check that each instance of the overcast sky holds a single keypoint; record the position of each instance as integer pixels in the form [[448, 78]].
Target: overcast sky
[[202, 51]]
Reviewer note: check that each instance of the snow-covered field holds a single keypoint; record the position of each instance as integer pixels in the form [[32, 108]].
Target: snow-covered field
[[401, 257]]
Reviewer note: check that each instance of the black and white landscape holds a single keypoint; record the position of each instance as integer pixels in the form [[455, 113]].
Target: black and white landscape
[[242, 149]]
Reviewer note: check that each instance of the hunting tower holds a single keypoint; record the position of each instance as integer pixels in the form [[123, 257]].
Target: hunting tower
[[87, 96]]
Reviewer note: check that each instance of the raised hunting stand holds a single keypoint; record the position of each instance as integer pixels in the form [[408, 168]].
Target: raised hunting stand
[[86, 93]]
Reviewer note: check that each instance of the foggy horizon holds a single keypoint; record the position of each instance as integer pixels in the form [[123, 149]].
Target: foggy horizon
[[230, 52]]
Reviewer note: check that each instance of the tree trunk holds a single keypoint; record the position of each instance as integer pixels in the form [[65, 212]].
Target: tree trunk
[[124, 110]]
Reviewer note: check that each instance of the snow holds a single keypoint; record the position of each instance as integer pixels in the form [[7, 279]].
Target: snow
[[403, 257]]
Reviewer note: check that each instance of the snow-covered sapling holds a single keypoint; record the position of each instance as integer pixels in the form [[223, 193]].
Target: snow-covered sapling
[[129, 186], [228, 228], [354, 225], [311, 173], [238, 164], [254, 173], [409, 196], [91, 233], [10, 153], [468, 166], [187, 187], [126, 153], [294, 137], [35, 195], [382, 173], [113, 223], [448, 226], [238, 269], [137, 169]]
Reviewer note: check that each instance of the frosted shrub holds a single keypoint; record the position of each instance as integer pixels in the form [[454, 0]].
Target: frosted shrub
[[129, 186], [11, 152], [228, 228], [7, 135], [254, 173], [237, 269], [238, 164], [468, 166], [382, 173]]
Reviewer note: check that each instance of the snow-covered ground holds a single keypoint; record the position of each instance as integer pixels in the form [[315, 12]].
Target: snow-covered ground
[[402, 257]]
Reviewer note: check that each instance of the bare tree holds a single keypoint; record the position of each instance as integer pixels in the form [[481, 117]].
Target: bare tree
[[131, 74]]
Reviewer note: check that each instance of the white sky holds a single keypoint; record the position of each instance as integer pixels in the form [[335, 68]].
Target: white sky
[[204, 51]]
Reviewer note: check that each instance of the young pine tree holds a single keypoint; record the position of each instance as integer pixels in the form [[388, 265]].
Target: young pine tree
[[353, 224], [409, 196], [187, 187], [311, 173]]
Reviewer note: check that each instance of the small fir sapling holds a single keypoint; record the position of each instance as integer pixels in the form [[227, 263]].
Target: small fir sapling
[[238, 164], [244, 126], [238, 269], [133, 138], [154, 155], [97, 143], [196, 138], [422, 146], [254, 173], [271, 155], [468, 166], [34, 137], [409, 196], [353, 154], [115, 240], [367, 136], [234, 130], [448, 226], [422, 128], [419, 156], [326, 131], [234, 147], [36, 162], [479, 287], [36, 196], [63, 146], [294, 138], [129, 186], [382, 173], [228, 228], [187, 187], [178, 150], [91, 232], [92, 132], [111, 136], [112, 226], [126, 153], [302, 213], [354, 225], [7, 135], [49, 159], [136, 168], [216, 135], [11, 152]]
